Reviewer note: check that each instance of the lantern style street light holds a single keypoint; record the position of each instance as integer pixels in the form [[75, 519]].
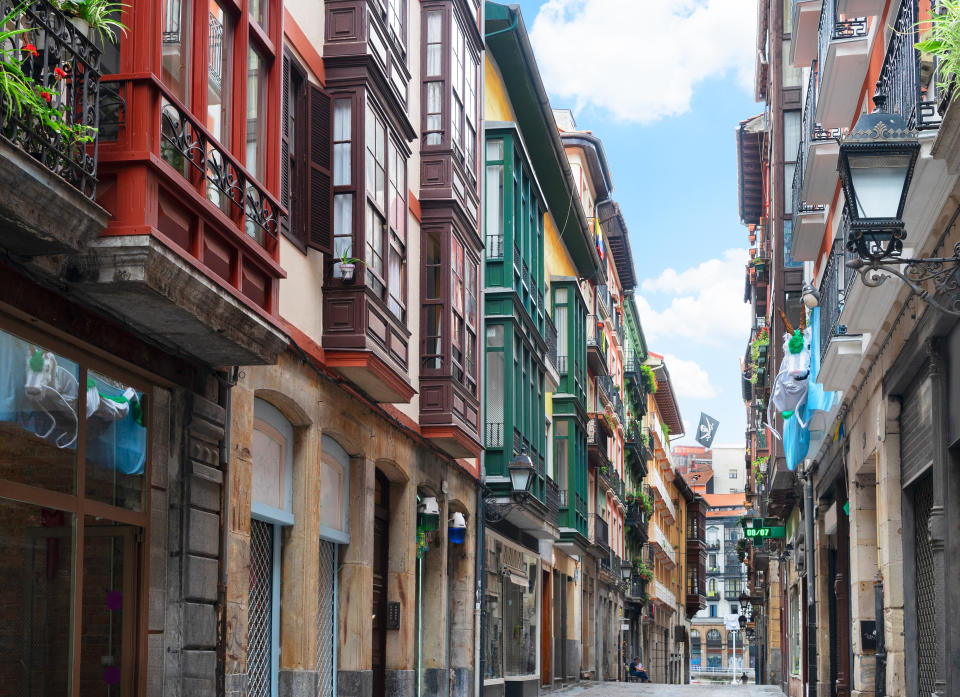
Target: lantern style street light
[[626, 569], [876, 165], [521, 471]]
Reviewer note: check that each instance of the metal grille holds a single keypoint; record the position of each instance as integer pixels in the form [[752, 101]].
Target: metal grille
[[260, 611], [926, 588], [326, 619], [916, 431]]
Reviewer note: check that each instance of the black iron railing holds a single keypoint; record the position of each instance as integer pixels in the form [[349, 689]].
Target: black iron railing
[[833, 29], [550, 334], [493, 435], [187, 145], [910, 90], [603, 299], [601, 535], [495, 247], [833, 289], [551, 499], [59, 67], [612, 392], [596, 339], [810, 132]]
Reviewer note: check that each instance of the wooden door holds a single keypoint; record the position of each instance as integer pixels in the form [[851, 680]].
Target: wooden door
[[381, 518]]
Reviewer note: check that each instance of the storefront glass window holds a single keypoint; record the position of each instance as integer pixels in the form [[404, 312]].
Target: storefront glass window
[[493, 631], [520, 620]]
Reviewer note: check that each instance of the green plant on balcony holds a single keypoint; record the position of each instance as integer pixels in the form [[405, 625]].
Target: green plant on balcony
[[644, 500], [943, 41], [648, 378], [610, 422], [21, 93], [757, 348], [642, 570], [97, 14], [666, 433]]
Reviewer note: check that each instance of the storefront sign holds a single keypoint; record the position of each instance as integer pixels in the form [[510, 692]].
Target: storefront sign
[[778, 531]]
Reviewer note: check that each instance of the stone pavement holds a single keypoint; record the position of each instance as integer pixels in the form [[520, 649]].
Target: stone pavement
[[623, 689]]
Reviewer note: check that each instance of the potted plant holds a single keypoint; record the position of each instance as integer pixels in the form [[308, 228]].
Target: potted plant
[[941, 39], [100, 15], [347, 265]]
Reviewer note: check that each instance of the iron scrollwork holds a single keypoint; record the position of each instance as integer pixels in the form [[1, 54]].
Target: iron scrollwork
[[63, 65], [942, 272], [188, 144]]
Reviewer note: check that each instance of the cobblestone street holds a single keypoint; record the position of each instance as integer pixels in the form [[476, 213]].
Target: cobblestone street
[[623, 689]]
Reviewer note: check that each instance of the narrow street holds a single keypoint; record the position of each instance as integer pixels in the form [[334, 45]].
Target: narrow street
[[624, 689]]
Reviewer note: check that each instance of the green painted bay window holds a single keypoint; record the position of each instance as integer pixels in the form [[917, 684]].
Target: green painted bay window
[[514, 221], [514, 405], [570, 318], [570, 466]]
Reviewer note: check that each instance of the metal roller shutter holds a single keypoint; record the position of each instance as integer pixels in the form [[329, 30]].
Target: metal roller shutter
[[916, 431]]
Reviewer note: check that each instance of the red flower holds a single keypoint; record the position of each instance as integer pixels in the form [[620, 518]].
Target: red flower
[[31, 49], [59, 72], [45, 95]]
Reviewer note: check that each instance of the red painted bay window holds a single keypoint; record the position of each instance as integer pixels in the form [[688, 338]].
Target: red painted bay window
[[193, 154]]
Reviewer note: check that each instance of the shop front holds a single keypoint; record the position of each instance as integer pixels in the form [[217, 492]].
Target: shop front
[[512, 634]]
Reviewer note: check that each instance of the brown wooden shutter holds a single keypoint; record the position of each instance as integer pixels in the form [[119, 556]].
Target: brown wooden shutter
[[320, 204], [287, 98]]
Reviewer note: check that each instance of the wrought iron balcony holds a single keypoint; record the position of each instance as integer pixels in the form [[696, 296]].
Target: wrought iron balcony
[[601, 534], [60, 67], [608, 389], [604, 303], [550, 334], [832, 28], [836, 280], [907, 81], [596, 346], [552, 501]]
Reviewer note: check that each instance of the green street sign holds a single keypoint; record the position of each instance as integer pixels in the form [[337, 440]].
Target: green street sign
[[777, 531]]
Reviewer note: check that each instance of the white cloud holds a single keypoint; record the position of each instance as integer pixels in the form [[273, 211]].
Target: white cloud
[[689, 379], [707, 305], [641, 59]]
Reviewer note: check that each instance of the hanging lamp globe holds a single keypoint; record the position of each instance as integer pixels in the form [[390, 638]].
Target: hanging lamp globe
[[876, 164], [521, 473]]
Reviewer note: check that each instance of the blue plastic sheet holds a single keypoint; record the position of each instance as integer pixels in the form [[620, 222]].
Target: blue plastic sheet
[[796, 437]]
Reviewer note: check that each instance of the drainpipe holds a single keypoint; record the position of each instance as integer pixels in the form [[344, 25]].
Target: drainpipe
[[479, 608], [808, 511], [226, 382]]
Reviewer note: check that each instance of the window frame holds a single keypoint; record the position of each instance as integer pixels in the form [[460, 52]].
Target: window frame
[[81, 505]]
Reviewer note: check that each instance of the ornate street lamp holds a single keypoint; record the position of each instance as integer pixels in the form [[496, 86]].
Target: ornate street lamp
[[626, 570], [521, 472], [876, 164]]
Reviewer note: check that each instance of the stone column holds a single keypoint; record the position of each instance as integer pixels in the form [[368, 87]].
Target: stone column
[[433, 614], [863, 572], [462, 567], [300, 572], [401, 676], [890, 543], [355, 630], [938, 513]]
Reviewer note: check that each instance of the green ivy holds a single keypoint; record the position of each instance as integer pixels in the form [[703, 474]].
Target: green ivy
[[648, 378], [943, 40]]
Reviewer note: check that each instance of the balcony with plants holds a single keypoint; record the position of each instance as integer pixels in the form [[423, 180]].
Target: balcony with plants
[[50, 113], [636, 450], [597, 346], [843, 55], [661, 496]]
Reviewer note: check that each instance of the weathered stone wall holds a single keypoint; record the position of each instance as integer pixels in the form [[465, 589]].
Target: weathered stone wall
[[317, 406]]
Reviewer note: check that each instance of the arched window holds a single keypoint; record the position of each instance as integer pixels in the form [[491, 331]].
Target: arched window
[[711, 586], [334, 491], [713, 636], [695, 646], [271, 508]]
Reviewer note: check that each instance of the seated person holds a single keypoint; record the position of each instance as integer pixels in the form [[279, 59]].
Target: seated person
[[637, 671]]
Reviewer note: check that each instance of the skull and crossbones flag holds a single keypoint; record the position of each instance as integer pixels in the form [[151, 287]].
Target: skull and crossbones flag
[[706, 430]]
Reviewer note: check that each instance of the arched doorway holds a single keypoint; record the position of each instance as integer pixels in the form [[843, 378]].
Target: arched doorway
[[381, 521]]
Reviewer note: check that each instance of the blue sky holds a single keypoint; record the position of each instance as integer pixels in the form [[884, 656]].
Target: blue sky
[[667, 114]]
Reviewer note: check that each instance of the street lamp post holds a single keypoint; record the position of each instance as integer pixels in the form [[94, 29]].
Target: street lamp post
[[521, 472], [876, 163]]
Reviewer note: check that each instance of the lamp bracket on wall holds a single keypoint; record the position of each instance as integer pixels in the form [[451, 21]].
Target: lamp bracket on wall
[[942, 272]]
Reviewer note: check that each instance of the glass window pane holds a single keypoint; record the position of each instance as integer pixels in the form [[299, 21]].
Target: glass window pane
[[38, 415], [792, 77], [494, 212], [434, 30], [176, 48], [116, 442], [258, 11], [256, 100], [36, 551], [493, 636], [791, 137], [218, 74], [109, 607]]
